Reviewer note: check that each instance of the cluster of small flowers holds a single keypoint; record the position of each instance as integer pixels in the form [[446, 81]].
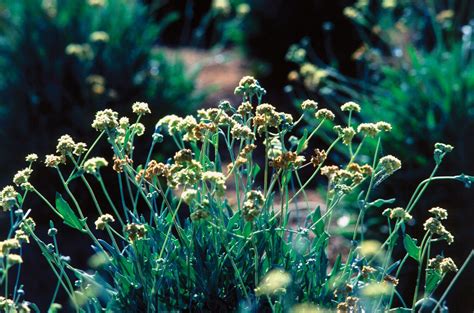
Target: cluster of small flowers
[[105, 120], [96, 3], [344, 180], [216, 178], [442, 264], [345, 133], [103, 220], [309, 105], [350, 106], [93, 165], [81, 51], [189, 195], [389, 164], [266, 117], [253, 205], [397, 213], [52, 160], [440, 151], [67, 146], [99, 36], [153, 169], [193, 130], [318, 157], [8, 198], [325, 114], [120, 163], [367, 270], [433, 224], [135, 231], [141, 108], [8, 305], [242, 157], [287, 160], [249, 87], [274, 283], [312, 75], [349, 305]]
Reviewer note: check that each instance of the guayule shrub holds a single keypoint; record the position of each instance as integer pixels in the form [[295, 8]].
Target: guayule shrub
[[209, 229]]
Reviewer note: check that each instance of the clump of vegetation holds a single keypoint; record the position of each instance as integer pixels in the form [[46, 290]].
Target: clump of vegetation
[[195, 233]]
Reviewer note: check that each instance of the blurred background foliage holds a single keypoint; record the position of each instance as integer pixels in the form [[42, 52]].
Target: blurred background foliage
[[415, 70], [61, 61]]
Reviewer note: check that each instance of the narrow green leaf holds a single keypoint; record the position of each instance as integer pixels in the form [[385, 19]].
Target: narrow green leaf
[[412, 249], [301, 143], [69, 217], [319, 222], [247, 229], [255, 170]]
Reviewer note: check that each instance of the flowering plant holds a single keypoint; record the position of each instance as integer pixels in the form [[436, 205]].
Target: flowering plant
[[194, 234]]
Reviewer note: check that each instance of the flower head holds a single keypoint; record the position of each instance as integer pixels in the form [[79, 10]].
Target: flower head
[[309, 105], [346, 133], [325, 114], [92, 165], [8, 198], [135, 231], [105, 119], [248, 87], [65, 145], [141, 108], [99, 36], [33, 157], [80, 148], [253, 205], [275, 282], [389, 164], [52, 160], [22, 176], [103, 220], [438, 212], [368, 129], [350, 106], [383, 126]]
